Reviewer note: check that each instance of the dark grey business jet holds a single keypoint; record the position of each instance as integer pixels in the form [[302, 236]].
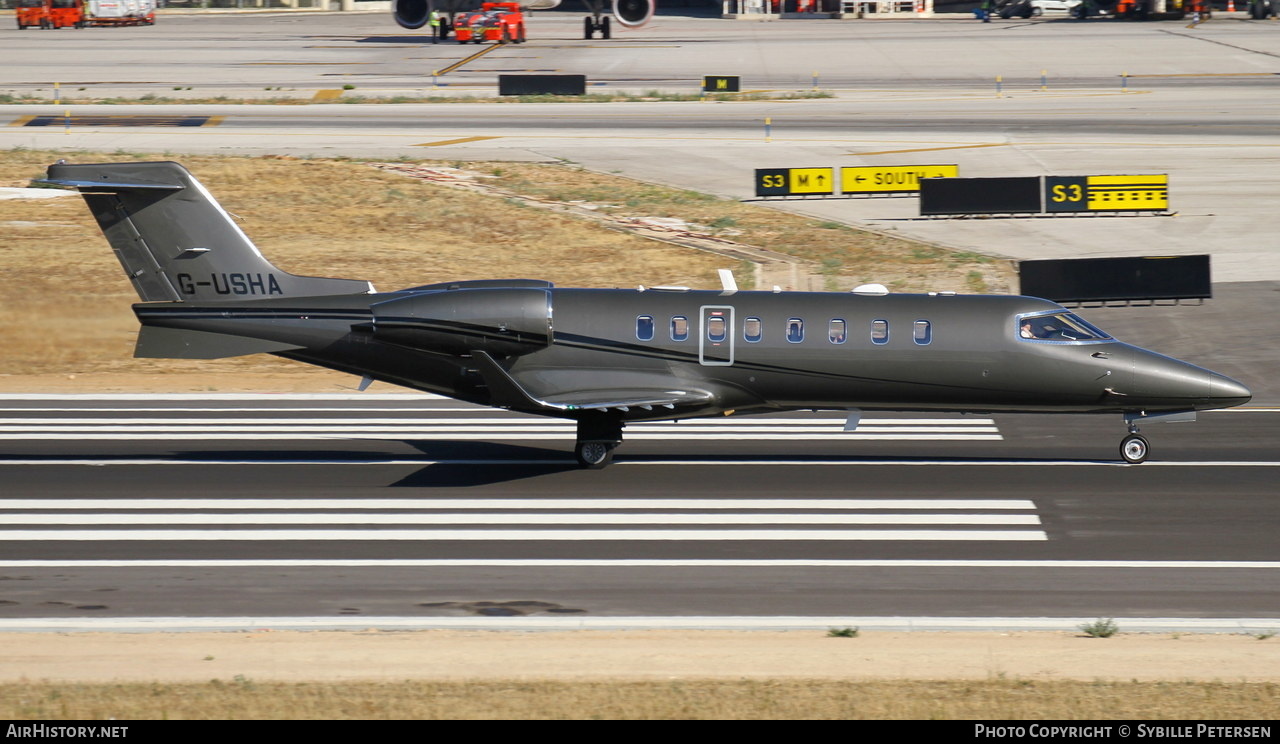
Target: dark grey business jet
[[606, 357]]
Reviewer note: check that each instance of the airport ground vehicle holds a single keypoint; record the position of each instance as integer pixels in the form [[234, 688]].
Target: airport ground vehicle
[[50, 14], [500, 22], [120, 12], [81, 13]]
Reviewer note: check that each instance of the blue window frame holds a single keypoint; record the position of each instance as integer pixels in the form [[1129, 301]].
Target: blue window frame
[[752, 330], [879, 331], [644, 327], [837, 331], [795, 330], [679, 328], [922, 332]]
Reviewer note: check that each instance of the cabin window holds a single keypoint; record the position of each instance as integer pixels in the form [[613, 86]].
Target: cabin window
[[795, 330], [879, 331], [717, 329], [922, 332], [1059, 327], [836, 332], [679, 328], [752, 330], [644, 327]]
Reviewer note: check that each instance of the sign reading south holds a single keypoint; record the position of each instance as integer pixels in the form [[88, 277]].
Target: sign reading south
[[891, 179], [1106, 193]]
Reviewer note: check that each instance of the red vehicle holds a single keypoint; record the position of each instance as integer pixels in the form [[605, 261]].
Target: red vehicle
[[500, 22], [50, 13]]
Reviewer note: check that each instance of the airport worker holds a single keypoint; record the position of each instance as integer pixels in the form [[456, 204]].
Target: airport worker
[[434, 22], [984, 11]]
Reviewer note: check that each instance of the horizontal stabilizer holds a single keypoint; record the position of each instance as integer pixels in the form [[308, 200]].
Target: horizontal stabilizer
[[155, 342]]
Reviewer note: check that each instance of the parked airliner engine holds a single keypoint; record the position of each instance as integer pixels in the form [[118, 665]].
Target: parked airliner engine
[[415, 13]]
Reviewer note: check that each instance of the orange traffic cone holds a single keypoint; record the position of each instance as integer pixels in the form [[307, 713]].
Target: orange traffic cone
[[1231, 6]]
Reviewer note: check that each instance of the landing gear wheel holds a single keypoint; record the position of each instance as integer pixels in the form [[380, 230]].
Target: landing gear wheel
[[593, 455], [604, 28], [1134, 449], [588, 28]]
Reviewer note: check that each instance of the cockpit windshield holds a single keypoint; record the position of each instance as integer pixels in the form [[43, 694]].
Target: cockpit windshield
[[1059, 327]]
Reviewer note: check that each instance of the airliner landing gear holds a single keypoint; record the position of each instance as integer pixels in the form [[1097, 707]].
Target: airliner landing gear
[[591, 25], [598, 436], [593, 455], [1134, 448]]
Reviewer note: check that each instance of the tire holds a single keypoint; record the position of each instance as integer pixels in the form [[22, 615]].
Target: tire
[[604, 28], [588, 28], [593, 455], [1134, 449], [520, 39]]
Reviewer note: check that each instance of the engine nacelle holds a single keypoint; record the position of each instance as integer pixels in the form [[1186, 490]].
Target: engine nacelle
[[634, 13], [504, 322], [411, 13]]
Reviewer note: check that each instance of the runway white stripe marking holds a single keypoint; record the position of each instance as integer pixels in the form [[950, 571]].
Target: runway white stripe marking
[[529, 503], [468, 437], [564, 462], [266, 397], [628, 563], [522, 519], [12, 424], [529, 623], [461, 407], [513, 535], [458, 436]]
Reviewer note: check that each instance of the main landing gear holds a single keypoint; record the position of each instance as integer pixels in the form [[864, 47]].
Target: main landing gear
[[598, 436], [591, 25], [1134, 448]]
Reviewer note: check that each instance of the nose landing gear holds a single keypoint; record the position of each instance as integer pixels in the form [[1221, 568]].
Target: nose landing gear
[[1134, 448]]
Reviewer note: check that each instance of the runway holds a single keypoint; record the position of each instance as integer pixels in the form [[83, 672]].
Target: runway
[[415, 507], [377, 511]]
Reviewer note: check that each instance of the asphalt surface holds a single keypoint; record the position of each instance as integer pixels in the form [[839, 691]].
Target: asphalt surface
[[346, 507], [1189, 534]]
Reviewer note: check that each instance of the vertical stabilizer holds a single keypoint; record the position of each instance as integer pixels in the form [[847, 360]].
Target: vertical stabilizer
[[176, 243]]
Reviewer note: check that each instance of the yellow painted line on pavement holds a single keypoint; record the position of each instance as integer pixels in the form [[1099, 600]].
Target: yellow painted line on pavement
[[465, 60], [21, 121], [458, 141], [327, 94], [931, 149]]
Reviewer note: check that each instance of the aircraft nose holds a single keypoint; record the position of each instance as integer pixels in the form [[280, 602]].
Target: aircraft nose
[[1225, 392]]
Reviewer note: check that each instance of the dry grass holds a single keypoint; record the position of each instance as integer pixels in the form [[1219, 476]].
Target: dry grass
[[684, 699], [64, 304]]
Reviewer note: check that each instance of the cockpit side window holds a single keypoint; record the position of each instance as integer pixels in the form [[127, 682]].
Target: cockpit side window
[[1059, 327]]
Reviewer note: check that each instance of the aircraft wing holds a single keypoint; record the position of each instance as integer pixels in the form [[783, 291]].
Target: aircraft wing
[[506, 392], [623, 400]]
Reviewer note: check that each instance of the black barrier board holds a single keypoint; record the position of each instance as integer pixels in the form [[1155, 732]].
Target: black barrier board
[[1115, 279], [979, 195], [721, 83], [539, 85]]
